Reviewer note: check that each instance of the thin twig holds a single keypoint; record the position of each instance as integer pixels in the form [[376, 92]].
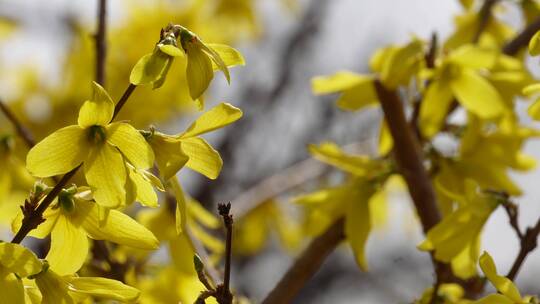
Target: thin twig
[[513, 214], [485, 16], [306, 265], [298, 41], [528, 244], [101, 42], [522, 39], [284, 181], [21, 130], [35, 218], [223, 292]]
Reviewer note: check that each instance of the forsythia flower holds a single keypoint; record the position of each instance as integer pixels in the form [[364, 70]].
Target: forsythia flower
[[69, 289], [187, 148], [508, 292], [468, 24], [459, 75], [202, 60], [103, 147], [73, 219], [353, 200], [396, 65], [456, 238], [16, 262]]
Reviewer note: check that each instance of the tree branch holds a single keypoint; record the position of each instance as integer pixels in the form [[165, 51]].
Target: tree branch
[[223, 292], [522, 39], [485, 15], [101, 42], [21, 130], [306, 265], [408, 157], [528, 242]]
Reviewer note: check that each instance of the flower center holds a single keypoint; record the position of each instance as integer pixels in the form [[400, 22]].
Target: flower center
[[97, 134]]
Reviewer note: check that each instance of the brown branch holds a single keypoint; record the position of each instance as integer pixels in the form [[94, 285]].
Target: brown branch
[[33, 219], [306, 265], [408, 157], [522, 39], [485, 16], [528, 243], [23, 132], [101, 42], [513, 214], [296, 43], [223, 292]]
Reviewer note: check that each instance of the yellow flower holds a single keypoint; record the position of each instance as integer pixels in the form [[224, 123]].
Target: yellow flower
[[202, 60], [16, 262], [174, 151], [508, 292], [102, 146], [456, 238], [69, 289], [460, 75], [73, 219], [358, 199], [468, 24]]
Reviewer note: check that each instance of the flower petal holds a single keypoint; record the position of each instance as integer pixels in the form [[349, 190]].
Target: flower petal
[[199, 71], [202, 157], [338, 82], [103, 288], [434, 107], [58, 153], [332, 154], [169, 156], [69, 247], [358, 224], [215, 118], [97, 111], [230, 56], [534, 44], [12, 289], [117, 227], [53, 288], [105, 174], [144, 192], [477, 95], [494, 299], [181, 216], [19, 260], [149, 68], [217, 61], [503, 284], [132, 144]]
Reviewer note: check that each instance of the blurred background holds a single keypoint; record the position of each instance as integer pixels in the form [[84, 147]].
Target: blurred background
[[46, 66]]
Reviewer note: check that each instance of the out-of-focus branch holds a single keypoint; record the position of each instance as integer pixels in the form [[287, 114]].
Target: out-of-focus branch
[[485, 15], [528, 243], [21, 130], [101, 42], [296, 44], [223, 291], [283, 181], [522, 39], [306, 265]]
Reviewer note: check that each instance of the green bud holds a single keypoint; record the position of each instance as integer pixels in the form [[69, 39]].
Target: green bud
[[197, 262], [65, 199], [39, 188]]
